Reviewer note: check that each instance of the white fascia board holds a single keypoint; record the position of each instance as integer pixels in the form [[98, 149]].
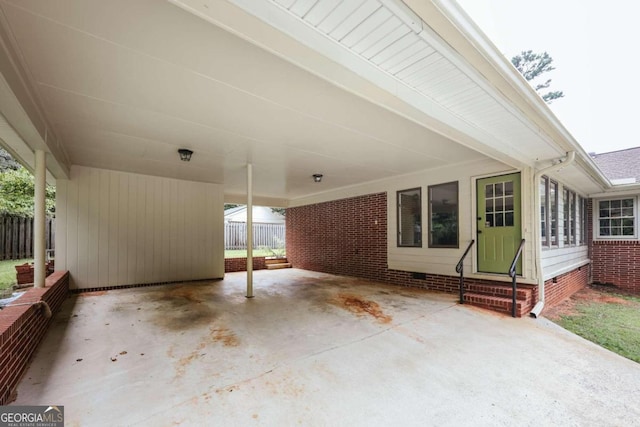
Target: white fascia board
[[495, 67], [327, 59], [618, 191]]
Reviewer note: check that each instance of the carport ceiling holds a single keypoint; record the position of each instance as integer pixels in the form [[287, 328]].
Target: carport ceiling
[[125, 84]]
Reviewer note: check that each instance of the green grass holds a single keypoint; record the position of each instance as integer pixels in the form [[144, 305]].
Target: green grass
[[242, 253], [8, 272], [614, 326]]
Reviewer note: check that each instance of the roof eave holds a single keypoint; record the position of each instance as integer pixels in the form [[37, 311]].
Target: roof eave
[[453, 24]]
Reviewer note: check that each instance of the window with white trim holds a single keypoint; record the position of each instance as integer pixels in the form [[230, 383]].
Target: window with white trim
[[582, 205], [548, 212], [616, 218], [569, 201]]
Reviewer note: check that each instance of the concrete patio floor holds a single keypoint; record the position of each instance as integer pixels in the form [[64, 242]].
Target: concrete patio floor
[[317, 349]]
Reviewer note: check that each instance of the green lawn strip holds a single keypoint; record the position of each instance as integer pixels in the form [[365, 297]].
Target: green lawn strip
[[613, 326], [8, 273]]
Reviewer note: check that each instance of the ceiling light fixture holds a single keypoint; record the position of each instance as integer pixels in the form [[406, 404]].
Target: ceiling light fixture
[[185, 154], [317, 177]]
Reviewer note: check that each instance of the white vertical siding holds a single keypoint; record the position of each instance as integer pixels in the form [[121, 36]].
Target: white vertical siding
[[116, 228]]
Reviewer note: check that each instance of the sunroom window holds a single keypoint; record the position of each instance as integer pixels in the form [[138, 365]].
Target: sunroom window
[[443, 215], [410, 218]]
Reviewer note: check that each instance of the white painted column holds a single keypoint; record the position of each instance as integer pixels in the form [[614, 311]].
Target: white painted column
[[249, 230], [39, 249]]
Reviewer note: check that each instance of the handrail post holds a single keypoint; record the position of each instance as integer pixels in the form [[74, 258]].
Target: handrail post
[[513, 295], [462, 285], [460, 269], [512, 273]]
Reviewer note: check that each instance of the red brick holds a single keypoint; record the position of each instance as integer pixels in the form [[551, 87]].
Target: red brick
[[22, 329]]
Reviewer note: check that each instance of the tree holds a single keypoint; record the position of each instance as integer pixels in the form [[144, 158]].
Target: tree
[[532, 65], [7, 162], [17, 189]]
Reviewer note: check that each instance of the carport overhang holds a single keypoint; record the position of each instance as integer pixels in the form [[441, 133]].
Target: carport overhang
[[475, 106]]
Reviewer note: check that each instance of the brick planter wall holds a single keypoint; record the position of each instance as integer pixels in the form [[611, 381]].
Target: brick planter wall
[[349, 237], [565, 285], [617, 263], [25, 272], [23, 327], [232, 265]]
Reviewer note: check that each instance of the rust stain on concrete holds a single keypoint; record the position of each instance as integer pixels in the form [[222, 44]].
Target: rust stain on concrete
[[224, 336], [361, 307], [92, 294], [217, 334], [182, 307]]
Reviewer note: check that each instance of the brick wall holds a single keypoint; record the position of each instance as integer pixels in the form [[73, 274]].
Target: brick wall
[[23, 327], [565, 285], [617, 263], [240, 264], [349, 237]]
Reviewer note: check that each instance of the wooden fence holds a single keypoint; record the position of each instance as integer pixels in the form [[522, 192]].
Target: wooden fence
[[264, 235], [16, 237]]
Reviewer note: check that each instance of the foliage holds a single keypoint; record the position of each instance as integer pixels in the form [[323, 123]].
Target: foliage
[[614, 326], [533, 65], [281, 211], [230, 206], [7, 162], [278, 250], [17, 189]]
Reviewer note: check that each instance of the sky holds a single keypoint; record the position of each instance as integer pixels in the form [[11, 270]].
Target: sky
[[594, 45]]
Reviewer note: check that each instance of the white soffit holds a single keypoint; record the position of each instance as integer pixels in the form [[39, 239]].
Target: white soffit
[[392, 42]]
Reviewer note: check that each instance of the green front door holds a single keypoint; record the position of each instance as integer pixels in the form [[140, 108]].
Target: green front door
[[499, 230]]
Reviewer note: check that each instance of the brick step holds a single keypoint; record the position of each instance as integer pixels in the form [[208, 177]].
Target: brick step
[[270, 261], [522, 293], [278, 266], [495, 303]]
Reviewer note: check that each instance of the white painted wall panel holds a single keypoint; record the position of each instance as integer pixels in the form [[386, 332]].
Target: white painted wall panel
[[115, 228], [561, 260], [441, 260]]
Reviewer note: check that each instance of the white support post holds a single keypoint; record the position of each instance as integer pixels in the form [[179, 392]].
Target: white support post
[[249, 230], [39, 249]]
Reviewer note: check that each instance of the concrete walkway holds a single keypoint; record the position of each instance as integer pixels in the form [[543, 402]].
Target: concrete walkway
[[315, 349]]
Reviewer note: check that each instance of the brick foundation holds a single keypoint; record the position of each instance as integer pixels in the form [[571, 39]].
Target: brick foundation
[[349, 237], [240, 264], [23, 327], [561, 287], [616, 263]]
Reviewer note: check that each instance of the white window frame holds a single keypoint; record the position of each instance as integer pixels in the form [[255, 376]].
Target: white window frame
[[596, 219], [551, 241]]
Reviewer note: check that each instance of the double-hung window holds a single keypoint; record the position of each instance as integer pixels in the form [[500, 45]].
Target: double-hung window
[[616, 218]]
